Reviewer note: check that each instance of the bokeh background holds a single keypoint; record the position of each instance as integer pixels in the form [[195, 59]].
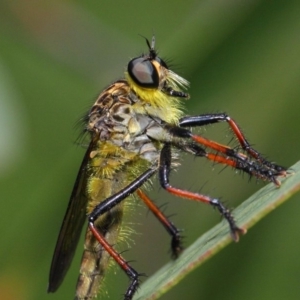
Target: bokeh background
[[241, 57]]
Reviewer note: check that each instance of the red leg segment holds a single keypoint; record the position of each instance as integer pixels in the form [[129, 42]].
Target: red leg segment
[[121, 262], [172, 230]]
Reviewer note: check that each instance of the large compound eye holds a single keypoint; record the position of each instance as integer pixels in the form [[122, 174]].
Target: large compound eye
[[143, 72]]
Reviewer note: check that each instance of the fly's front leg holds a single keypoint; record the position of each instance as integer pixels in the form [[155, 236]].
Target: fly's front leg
[[225, 155], [236, 160], [201, 120], [164, 172]]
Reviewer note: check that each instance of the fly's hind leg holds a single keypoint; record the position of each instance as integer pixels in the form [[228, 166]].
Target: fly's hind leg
[[131, 273], [104, 207]]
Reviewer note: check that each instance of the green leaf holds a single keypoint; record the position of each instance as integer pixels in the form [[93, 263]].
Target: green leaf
[[246, 215]]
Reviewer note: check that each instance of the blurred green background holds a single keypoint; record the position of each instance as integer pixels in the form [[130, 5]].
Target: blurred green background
[[241, 57]]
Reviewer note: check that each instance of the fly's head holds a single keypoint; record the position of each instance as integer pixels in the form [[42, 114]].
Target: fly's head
[[149, 73]]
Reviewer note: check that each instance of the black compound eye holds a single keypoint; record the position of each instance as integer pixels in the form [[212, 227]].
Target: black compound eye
[[143, 73]]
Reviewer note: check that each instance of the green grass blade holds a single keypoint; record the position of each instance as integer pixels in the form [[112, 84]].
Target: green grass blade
[[247, 214]]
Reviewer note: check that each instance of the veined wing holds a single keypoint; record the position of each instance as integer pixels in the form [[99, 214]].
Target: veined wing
[[71, 228]]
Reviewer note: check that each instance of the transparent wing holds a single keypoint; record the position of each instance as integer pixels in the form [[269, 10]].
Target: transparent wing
[[71, 228]]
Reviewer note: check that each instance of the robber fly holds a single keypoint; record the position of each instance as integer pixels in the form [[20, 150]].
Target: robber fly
[[137, 129]]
